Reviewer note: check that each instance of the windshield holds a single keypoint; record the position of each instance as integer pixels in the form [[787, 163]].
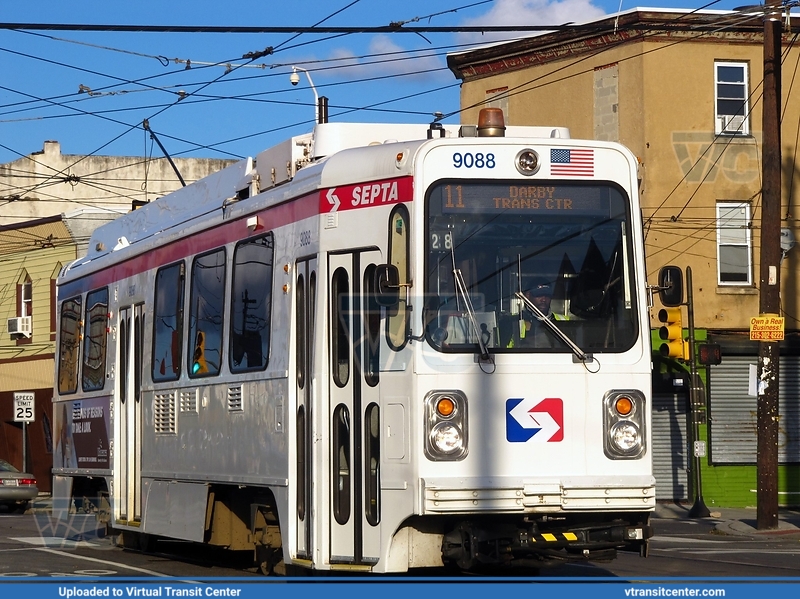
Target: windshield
[[6, 467], [565, 247]]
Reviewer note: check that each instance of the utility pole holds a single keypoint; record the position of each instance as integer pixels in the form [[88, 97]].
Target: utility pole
[[699, 509], [770, 279]]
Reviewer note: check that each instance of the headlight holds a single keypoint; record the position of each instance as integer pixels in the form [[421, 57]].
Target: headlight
[[624, 424], [446, 428], [527, 162], [447, 438], [626, 437]]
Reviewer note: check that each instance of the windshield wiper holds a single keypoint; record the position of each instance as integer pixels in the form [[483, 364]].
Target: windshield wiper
[[461, 288], [579, 353]]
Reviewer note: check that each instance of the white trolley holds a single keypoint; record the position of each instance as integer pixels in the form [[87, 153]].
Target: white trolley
[[327, 354]]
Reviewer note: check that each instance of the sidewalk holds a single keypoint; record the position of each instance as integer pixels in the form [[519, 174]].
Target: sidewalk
[[735, 521]]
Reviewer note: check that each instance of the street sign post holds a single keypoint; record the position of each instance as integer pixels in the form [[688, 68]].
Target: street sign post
[[23, 412], [23, 407]]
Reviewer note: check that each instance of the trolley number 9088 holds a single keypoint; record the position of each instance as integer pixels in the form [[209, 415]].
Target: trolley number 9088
[[470, 160]]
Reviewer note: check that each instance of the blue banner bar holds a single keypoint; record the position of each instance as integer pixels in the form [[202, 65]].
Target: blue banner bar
[[396, 588]]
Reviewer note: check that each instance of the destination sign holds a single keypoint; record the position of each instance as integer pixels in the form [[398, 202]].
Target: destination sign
[[553, 199]]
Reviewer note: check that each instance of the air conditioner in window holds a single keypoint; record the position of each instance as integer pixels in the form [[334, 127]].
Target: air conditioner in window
[[732, 124], [19, 327]]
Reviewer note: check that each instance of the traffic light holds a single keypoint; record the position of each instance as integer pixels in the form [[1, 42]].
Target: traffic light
[[199, 365], [709, 354], [672, 333]]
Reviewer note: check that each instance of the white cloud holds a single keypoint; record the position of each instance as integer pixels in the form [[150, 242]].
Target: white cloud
[[529, 12], [385, 58]]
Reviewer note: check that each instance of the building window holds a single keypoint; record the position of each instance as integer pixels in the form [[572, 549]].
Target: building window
[[26, 297], [731, 106], [734, 251], [25, 308]]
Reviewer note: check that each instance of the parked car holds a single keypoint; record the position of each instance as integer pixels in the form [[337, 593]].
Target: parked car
[[16, 488]]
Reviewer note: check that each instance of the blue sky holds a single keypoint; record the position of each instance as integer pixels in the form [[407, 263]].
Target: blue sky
[[236, 113]]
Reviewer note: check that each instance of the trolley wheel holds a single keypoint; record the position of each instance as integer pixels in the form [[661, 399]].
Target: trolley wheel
[[137, 541], [147, 542], [269, 561]]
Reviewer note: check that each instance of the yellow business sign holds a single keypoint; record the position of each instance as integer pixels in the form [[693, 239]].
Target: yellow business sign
[[766, 327]]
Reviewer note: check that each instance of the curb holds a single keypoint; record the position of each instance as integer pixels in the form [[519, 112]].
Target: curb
[[747, 528]]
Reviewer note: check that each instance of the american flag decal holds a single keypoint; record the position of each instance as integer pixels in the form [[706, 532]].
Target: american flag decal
[[572, 162]]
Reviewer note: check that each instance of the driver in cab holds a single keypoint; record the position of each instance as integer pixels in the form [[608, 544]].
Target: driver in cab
[[534, 333]]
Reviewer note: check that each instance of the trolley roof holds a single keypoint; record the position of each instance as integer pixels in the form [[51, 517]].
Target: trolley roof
[[297, 166]]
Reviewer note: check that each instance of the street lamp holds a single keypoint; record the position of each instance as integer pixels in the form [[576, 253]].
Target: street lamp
[[294, 79]]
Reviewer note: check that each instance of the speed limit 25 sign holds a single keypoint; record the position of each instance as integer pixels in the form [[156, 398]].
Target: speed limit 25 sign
[[23, 407]]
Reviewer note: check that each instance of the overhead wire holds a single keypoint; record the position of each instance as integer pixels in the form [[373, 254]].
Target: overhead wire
[[134, 126], [252, 56], [729, 139], [315, 25], [349, 109], [522, 88], [219, 63], [662, 204], [343, 66], [338, 67], [195, 92], [417, 54]]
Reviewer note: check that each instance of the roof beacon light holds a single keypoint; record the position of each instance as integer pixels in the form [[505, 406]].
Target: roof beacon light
[[491, 123]]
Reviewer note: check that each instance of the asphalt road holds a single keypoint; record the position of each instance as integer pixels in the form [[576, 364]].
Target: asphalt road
[[30, 547]]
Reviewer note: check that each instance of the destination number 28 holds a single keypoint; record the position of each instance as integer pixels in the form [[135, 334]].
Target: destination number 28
[[470, 160]]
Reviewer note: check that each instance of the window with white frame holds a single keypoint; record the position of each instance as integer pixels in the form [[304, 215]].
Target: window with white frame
[[734, 246], [731, 105], [25, 292]]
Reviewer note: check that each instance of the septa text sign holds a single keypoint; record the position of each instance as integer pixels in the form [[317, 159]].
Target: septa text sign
[[364, 195]]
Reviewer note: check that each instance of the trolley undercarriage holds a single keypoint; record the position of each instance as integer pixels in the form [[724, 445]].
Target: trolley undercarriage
[[473, 543]]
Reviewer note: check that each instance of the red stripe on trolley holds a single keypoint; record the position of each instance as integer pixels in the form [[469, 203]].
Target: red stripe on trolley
[[197, 243]]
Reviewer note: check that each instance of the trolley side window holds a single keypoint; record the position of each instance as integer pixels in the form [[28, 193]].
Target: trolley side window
[[341, 464], [372, 458], [168, 323], [206, 314], [372, 325], [69, 345], [251, 304], [300, 316], [95, 340], [340, 317], [397, 321]]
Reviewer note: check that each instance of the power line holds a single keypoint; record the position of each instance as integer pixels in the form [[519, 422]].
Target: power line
[[349, 109], [371, 30]]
